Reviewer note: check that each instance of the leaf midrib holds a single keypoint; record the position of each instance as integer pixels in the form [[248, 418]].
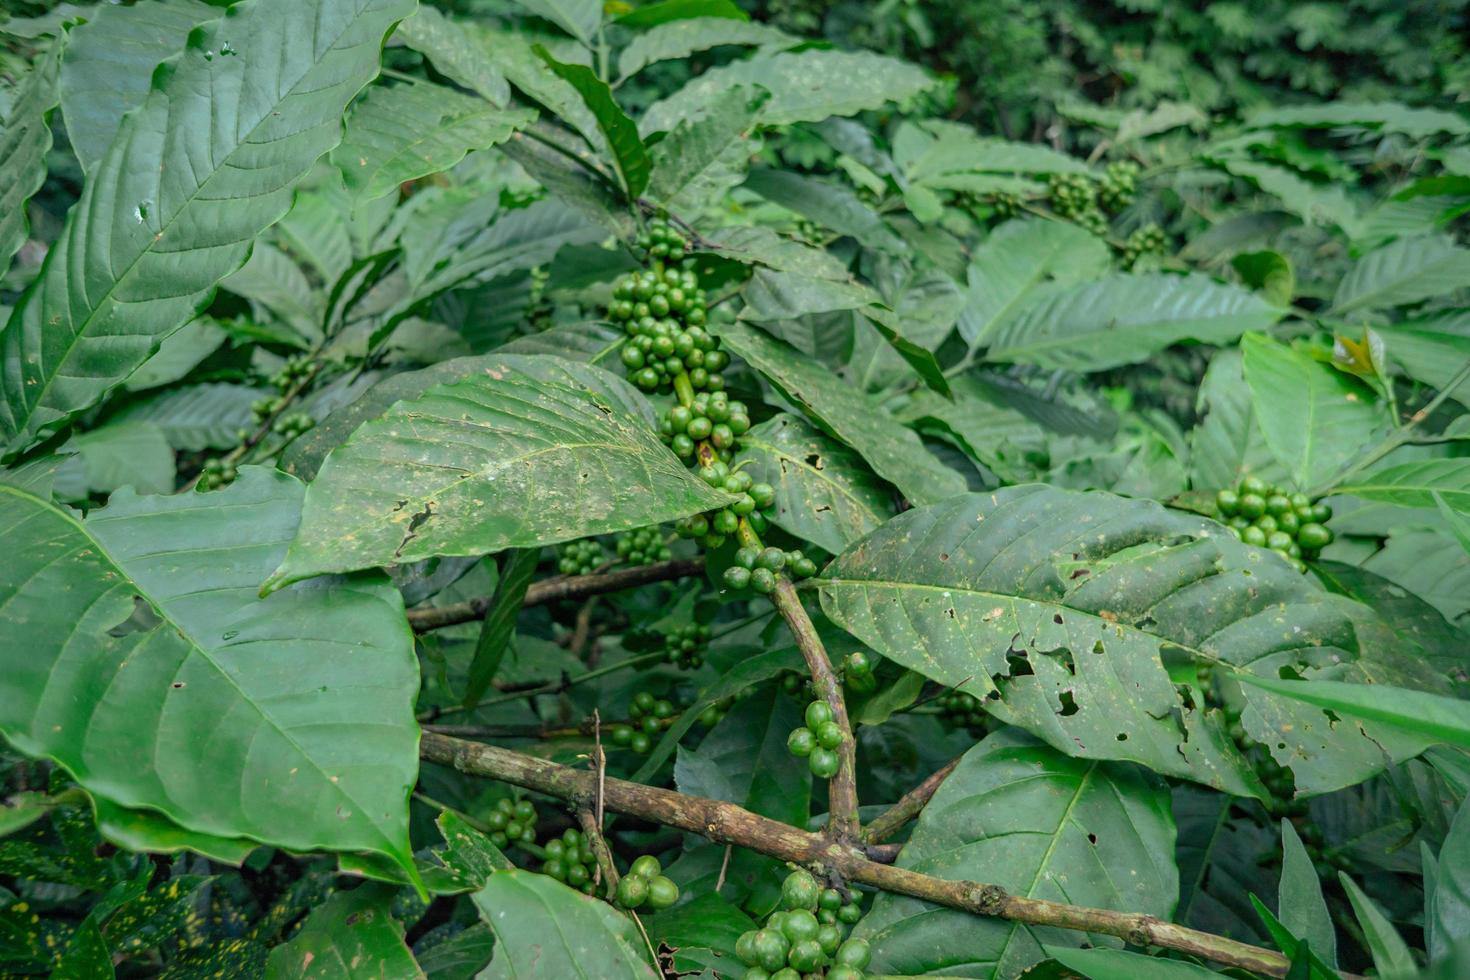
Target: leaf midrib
[[203, 652]]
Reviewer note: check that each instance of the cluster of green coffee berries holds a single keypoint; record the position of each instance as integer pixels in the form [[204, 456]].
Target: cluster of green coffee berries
[[645, 884], [756, 568], [649, 716], [1005, 205], [711, 417], [1148, 240], [1267, 517], [857, 673], [512, 821], [217, 473], [712, 528], [818, 740], [295, 368], [1118, 185], [662, 310], [804, 938], [569, 858], [963, 710], [797, 683], [293, 424], [685, 645], [642, 546], [663, 241], [581, 557], [1074, 196]]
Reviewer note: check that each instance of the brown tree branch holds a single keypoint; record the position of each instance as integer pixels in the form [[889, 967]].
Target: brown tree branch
[[842, 789], [729, 824], [561, 587], [889, 821]]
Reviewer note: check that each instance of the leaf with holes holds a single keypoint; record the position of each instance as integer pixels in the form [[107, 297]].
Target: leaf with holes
[[1018, 814], [527, 451], [1081, 617], [163, 220], [825, 494], [129, 634]]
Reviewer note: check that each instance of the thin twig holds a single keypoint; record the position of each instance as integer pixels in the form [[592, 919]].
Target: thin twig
[[907, 808], [561, 587], [550, 687], [842, 820], [592, 827], [727, 823]]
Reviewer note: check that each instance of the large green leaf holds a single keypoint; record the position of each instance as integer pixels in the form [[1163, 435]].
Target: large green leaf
[[108, 68], [681, 38], [657, 12], [827, 203], [197, 171], [545, 929], [1124, 319], [1431, 349], [353, 935], [1407, 614], [456, 51], [981, 424], [1417, 484], [196, 417], [1315, 418], [1018, 814], [409, 131], [1405, 271], [825, 494], [1120, 964], [702, 159], [1433, 716], [1429, 563], [1299, 900], [1081, 617], [1392, 958], [806, 86], [1227, 444], [943, 154], [1447, 908], [1388, 117], [129, 637], [893, 451], [24, 142], [1222, 854], [628, 151], [528, 451], [1018, 258]]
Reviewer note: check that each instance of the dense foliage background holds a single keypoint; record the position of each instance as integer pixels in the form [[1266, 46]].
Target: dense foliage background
[[772, 402]]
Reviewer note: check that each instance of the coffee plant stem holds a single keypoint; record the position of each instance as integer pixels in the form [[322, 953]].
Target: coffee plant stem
[[263, 431], [889, 821], [842, 822], [561, 587], [727, 823], [599, 849]]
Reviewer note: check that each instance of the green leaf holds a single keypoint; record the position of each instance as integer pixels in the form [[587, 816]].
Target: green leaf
[[670, 11], [456, 50], [747, 753], [827, 203], [86, 957], [621, 134], [1018, 814], [983, 426], [579, 18], [1403, 272], [681, 38], [1306, 964], [109, 65], [1391, 956], [181, 352], [1408, 615], [134, 454], [825, 494], [1436, 718], [151, 831], [1447, 905], [196, 417], [1227, 443], [162, 221], [1124, 319], [1068, 610], [1315, 418], [468, 853], [1015, 260], [701, 933], [1388, 117], [460, 957], [545, 929], [893, 451], [146, 921], [703, 159], [947, 155], [1429, 563], [1299, 897], [807, 86], [1417, 484], [499, 624], [1220, 854], [1316, 204], [526, 452], [406, 132], [1119, 964], [353, 935], [137, 637], [24, 142], [1269, 272], [1431, 349]]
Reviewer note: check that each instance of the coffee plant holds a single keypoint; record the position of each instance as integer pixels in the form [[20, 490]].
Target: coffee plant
[[509, 488]]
